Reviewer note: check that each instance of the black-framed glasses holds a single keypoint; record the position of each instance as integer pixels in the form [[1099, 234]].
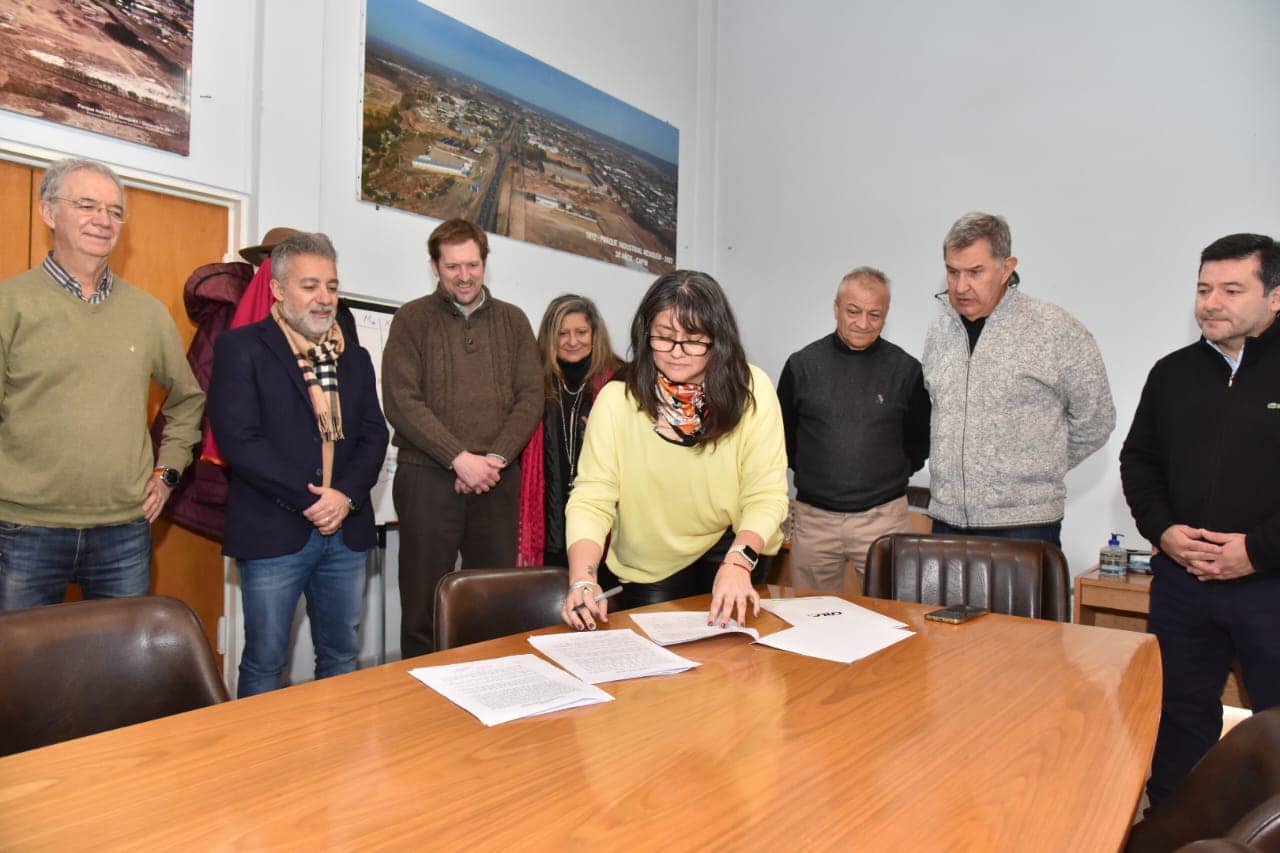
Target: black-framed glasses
[[660, 343], [89, 206]]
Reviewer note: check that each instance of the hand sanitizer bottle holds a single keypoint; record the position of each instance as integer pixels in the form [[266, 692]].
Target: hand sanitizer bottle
[[1113, 561]]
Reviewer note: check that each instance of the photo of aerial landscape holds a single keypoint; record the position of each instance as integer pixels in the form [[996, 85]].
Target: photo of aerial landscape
[[456, 123], [117, 67]]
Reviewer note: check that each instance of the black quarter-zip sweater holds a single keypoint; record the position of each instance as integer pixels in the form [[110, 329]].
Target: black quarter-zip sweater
[[1204, 448]]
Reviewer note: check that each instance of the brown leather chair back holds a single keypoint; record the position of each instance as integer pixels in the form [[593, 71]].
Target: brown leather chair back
[[1020, 577], [69, 670], [473, 605], [1232, 795]]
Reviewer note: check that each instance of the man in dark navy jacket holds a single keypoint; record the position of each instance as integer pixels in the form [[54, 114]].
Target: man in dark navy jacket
[[294, 408], [1200, 469]]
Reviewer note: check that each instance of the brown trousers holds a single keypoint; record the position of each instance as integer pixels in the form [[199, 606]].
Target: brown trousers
[[822, 542], [436, 523]]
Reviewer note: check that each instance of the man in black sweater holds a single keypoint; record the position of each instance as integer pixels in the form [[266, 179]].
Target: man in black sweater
[[856, 416], [1200, 469]]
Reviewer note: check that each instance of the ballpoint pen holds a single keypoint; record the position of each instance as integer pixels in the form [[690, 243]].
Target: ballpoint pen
[[602, 596]]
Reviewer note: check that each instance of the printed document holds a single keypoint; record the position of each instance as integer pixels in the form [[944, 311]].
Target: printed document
[[816, 608], [668, 629], [598, 656], [508, 688], [843, 640]]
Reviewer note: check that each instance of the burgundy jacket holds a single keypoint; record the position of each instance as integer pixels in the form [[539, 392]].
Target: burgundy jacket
[[199, 502]]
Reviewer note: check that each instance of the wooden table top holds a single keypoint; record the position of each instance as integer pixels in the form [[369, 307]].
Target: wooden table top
[[998, 734], [1137, 580]]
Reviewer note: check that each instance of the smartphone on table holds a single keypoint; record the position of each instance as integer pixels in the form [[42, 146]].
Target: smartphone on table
[[956, 613]]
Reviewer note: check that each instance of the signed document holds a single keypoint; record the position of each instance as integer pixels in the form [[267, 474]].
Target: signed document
[[508, 688], [598, 656], [668, 629]]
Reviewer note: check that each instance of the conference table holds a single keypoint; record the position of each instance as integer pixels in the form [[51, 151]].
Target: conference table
[[1001, 733]]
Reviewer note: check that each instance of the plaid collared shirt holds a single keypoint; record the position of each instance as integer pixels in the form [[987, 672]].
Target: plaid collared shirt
[[64, 278]]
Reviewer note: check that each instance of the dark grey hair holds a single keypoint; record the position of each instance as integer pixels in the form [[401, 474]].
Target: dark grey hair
[[301, 243], [51, 184], [974, 226], [867, 274]]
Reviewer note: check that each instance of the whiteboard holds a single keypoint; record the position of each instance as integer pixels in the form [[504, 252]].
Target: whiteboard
[[373, 322]]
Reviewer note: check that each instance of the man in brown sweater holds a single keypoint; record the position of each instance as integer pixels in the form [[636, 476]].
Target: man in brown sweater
[[462, 388]]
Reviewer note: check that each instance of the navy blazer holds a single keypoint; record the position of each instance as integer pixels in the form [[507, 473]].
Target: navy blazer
[[266, 428]]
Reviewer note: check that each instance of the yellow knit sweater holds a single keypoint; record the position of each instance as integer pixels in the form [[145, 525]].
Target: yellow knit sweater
[[667, 504]]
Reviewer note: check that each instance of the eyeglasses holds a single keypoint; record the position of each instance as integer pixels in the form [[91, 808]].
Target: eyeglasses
[[92, 206], [664, 344]]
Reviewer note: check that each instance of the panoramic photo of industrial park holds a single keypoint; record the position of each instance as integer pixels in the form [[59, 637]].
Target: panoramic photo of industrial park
[[502, 139]]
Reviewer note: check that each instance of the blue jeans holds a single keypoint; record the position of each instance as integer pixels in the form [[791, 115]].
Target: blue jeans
[[37, 563], [332, 576], [1051, 533]]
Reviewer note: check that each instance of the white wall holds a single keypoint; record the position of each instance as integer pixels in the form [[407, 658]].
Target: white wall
[[1119, 137]]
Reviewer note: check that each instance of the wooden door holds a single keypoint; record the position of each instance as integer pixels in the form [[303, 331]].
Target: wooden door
[[165, 238]]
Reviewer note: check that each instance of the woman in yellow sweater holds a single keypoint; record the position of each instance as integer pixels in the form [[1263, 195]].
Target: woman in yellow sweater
[[684, 462]]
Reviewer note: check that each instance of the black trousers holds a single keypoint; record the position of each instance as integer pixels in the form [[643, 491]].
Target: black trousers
[[696, 578], [436, 523], [1202, 627]]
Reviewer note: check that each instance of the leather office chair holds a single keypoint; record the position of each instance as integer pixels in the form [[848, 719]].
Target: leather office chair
[[473, 605], [70, 670], [1019, 577], [1232, 797], [918, 497]]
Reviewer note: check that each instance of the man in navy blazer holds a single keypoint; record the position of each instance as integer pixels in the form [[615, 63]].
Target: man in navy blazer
[[294, 408]]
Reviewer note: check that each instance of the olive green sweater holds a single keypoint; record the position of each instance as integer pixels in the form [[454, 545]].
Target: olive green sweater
[[74, 383]]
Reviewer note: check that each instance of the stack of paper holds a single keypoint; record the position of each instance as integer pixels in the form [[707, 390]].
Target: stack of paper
[[832, 628], [598, 656], [668, 629], [815, 608], [508, 688]]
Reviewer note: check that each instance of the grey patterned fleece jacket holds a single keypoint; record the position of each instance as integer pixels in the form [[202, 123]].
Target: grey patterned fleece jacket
[[1009, 420]]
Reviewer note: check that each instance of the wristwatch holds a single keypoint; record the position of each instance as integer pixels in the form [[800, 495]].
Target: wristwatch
[[169, 476], [746, 551]]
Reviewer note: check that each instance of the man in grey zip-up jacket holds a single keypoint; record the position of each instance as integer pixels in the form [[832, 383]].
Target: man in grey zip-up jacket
[[1020, 394]]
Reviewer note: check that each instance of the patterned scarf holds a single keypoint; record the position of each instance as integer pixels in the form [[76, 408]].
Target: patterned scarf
[[319, 366], [681, 406]]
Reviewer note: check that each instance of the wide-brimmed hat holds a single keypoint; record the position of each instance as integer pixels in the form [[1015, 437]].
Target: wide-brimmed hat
[[257, 254]]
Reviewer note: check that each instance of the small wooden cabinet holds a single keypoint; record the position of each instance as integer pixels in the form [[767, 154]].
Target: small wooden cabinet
[[1113, 602]]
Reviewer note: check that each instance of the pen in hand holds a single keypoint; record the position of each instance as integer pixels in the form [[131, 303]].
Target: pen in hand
[[602, 596]]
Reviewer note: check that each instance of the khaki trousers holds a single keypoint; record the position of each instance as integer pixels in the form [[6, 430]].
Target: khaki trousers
[[823, 542]]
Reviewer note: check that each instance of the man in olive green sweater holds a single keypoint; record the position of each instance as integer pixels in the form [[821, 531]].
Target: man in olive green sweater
[[79, 485]]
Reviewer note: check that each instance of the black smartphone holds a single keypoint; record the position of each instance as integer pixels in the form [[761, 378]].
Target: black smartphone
[[956, 613]]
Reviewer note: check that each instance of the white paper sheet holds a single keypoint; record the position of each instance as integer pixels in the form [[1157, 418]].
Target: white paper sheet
[[502, 689], [599, 656], [814, 608], [668, 629], [842, 640]]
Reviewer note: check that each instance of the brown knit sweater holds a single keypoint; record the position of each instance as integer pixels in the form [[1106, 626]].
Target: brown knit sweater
[[452, 383]]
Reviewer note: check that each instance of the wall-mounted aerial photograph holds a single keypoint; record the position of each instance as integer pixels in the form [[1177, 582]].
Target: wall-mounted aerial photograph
[[116, 67], [456, 123]]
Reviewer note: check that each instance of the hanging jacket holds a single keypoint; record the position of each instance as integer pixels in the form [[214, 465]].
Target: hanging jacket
[[211, 294]]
